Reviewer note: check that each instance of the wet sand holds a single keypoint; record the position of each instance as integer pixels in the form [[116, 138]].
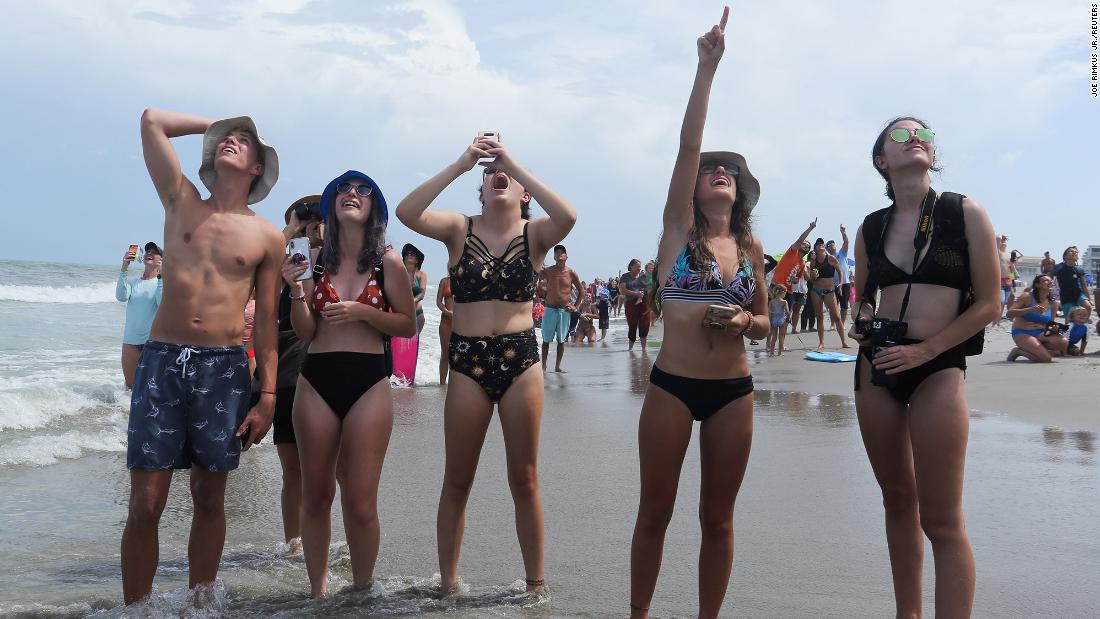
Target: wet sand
[[810, 540], [1064, 394]]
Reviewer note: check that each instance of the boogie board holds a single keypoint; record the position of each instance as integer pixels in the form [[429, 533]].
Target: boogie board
[[404, 357], [829, 357]]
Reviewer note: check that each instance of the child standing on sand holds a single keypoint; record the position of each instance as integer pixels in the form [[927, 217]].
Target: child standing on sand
[[780, 314]]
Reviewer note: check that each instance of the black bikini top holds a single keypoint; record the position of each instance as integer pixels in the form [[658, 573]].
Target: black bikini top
[[824, 269], [481, 276], [947, 262]]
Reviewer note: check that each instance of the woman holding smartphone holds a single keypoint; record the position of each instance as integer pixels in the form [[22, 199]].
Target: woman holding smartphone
[[493, 353], [932, 257], [713, 296], [142, 297], [343, 411]]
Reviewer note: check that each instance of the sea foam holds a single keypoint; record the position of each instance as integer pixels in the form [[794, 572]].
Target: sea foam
[[90, 293]]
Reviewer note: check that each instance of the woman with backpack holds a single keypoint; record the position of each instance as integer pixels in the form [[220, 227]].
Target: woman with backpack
[[933, 259]]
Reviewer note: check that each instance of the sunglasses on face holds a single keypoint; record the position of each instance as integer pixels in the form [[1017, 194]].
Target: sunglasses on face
[[711, 167], [362, 189], [902, 136]]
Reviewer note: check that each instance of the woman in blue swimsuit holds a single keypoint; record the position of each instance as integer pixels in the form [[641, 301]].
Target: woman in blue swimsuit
[[708, 256], [1030, 315]]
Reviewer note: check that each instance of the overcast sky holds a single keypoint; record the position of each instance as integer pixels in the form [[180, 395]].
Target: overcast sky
[[588, 95]]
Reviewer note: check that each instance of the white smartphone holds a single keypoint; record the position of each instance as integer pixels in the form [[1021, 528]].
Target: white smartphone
[[298, 250], [492, 135]]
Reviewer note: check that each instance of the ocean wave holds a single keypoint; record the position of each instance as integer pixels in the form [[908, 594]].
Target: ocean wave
[[47, 449], [36, 401], [90, 293]]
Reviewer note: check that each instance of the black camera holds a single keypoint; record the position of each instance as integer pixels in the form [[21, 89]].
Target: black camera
[[883, 334], [1054, 327], [310, 211]]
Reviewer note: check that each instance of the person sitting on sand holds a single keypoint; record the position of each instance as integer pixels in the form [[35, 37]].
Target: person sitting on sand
[[343, 408], [707, 256], [779, 313], [585, 328], [142, 297], [1029, 315], [823, 269], [909, 389], [494, 352], [1078, 336], [190, 404]]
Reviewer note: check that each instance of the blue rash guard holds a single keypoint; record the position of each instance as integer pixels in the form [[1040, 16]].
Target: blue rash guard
[[142, 298]]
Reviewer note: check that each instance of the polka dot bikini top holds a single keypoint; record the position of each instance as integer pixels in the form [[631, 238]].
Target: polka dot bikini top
[[324, 293]]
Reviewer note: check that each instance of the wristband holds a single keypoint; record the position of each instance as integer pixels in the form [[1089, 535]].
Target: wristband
[[262, 391], [294, 298]]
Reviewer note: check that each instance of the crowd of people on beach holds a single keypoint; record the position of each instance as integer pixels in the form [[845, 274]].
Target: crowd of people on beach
[[236, 333]]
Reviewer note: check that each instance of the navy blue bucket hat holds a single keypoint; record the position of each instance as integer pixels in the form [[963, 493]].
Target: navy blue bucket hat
[[328, 196]]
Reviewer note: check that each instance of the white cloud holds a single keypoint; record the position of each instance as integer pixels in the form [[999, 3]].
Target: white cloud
[[589, 95]]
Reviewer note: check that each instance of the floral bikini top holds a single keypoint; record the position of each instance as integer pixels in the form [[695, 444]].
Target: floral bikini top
[[324, 292], [706, 285]]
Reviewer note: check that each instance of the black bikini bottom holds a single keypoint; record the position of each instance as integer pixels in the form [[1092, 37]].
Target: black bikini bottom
[[909, 380], [494, 362], [341, 378], [702, 396]]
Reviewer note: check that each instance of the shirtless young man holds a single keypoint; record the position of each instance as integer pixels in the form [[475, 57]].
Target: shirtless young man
[[191, 389], [560, 284]]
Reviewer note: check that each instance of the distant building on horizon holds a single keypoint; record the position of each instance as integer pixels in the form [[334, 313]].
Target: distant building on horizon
[[1090, 261]]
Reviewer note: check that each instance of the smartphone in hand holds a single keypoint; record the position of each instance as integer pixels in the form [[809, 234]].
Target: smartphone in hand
[[716, 313], [298, 250], [490, 135]]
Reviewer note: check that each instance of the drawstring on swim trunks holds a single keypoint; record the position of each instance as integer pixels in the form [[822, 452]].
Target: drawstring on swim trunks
[[184, 357]]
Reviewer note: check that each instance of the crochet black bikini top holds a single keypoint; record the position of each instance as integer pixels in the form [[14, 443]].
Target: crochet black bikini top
[[481, 276]]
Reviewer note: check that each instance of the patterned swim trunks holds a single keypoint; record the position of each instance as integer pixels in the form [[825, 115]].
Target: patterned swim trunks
[[187, 404]]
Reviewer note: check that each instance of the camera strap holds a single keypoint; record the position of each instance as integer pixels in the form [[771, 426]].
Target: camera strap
[[920, 240]]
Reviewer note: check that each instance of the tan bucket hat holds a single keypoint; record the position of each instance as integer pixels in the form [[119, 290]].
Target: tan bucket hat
[[214, 136]]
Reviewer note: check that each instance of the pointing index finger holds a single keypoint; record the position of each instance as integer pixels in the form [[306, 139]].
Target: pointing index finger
[[725, 17]]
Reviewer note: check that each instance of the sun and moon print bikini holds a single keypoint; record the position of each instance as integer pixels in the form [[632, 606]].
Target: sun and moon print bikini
[[342, 377], [494, 362], [705, 397]]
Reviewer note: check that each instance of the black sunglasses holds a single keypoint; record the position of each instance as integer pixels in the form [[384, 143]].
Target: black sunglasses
[[710, 167], [363, 189]]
